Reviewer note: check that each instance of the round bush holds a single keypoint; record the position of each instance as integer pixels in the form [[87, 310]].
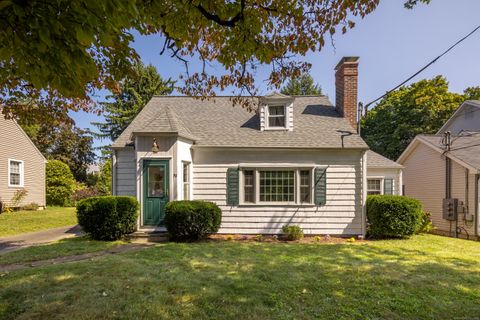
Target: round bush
[[191, 220], [108, 218], [393, 216], [292, 233]]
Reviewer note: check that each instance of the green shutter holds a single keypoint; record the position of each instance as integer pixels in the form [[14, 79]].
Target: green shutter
[[320, 186], [232, 186], [388, 186]]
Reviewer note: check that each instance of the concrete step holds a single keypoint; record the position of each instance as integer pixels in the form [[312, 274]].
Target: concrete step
[[142, 236]]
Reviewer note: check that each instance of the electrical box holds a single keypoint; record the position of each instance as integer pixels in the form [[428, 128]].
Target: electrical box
[[450, 207]]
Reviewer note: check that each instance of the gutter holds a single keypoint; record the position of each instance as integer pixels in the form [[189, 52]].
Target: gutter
[[476, 219]]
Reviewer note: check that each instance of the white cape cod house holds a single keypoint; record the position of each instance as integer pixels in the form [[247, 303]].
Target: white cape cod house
[[294, 160]]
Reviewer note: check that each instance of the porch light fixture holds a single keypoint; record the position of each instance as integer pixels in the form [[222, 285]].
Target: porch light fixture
[[155, 146]]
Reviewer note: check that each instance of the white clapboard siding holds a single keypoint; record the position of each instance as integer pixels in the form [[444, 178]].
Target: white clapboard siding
[[340, 215]]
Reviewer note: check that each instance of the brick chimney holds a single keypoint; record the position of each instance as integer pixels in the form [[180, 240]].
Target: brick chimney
[[346, 88]]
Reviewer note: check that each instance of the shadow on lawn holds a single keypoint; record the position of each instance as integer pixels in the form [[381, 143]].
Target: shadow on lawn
[[250, 280]]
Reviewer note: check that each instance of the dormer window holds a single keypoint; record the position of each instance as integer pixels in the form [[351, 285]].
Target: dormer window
[[276, 116], [276, 112]]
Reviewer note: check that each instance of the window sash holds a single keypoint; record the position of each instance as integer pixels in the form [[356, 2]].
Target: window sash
[[277, 186], [305, 190], [276, 116], [374, 186], [186, 181], [249, 186]]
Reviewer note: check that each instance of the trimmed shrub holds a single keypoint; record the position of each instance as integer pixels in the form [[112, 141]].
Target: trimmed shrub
[[292, 233], [60, 183], [85, 193], [191, 220], [108, 218], [393, 216]]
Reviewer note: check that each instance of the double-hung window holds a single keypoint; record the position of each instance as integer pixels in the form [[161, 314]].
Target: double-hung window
[[272, 185], [374, 186], [15, 173], [276, 116], [186, 181]]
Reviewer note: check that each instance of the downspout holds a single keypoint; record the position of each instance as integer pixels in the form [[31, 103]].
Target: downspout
[[114, 172], [477, 180], [364, 194]]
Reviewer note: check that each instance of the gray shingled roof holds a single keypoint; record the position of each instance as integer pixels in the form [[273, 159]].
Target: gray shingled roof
[[465, 147], [375, 160], [217, 123]]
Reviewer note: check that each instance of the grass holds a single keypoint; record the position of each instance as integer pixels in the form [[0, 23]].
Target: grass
[[18, 222], [61, 248], [426, 277]]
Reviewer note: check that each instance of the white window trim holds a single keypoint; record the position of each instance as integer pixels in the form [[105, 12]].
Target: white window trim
[[256, 186], [22, 174], [267, 116]]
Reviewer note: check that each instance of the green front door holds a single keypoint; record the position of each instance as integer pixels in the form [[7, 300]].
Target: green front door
[[155, 191]]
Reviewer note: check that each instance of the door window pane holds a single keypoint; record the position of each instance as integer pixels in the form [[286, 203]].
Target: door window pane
[[156, 182]]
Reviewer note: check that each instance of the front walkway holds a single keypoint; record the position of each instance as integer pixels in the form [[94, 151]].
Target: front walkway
[[89, 255], [12, 243]]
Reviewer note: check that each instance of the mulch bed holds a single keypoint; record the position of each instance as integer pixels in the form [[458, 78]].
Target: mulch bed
[[280, 239]]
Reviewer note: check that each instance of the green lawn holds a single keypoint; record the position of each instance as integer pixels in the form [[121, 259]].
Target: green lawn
[[427, 277], [29, 221]]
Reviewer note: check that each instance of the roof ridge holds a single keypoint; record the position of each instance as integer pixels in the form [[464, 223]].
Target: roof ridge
[[234, 96]]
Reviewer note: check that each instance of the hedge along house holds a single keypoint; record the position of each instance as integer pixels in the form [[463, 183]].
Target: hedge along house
[[293, 160]]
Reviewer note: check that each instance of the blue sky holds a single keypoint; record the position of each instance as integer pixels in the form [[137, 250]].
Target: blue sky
[[392, 44]]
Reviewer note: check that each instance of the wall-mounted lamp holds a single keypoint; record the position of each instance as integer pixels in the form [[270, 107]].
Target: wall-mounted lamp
[[155, 147]]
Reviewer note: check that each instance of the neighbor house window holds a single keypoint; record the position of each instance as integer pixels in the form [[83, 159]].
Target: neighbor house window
[[374, 186], [248, 186], [305, 186], [277, 186], [276, 116], [186, 181], [15, 173]]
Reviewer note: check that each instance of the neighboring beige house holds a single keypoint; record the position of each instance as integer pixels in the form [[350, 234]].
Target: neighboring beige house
[[22, 165], [294, 160], [433, 172]]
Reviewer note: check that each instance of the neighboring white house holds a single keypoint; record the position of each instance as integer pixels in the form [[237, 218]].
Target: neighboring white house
[[22, 166], [384, 176], [434, 171], [294, 160]]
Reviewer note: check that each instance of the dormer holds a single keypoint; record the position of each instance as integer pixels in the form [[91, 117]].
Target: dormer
[[276, 112]]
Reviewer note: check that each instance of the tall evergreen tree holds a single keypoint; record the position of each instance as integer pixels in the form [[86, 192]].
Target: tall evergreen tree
[[302, 86], [122, 107]]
